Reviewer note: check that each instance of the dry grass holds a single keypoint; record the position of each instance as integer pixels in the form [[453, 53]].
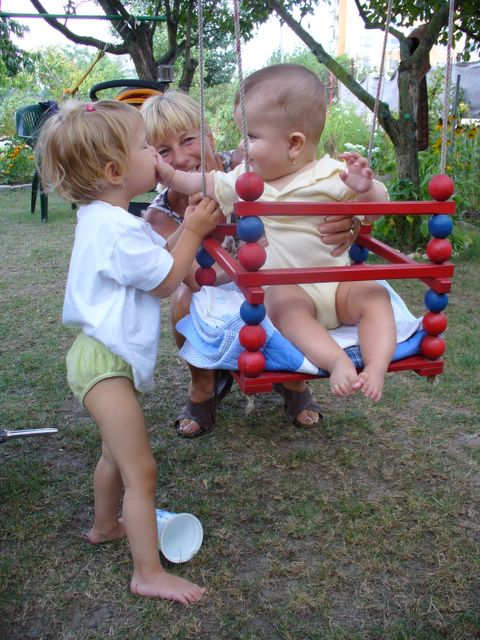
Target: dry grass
[[365, 528]]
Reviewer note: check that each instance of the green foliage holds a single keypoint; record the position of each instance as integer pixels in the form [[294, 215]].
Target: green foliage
[[16, 162], [343, 127], [53, 72], [219, 108], [12, 58]]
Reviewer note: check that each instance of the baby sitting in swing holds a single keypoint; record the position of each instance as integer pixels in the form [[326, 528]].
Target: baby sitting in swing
[[285, 113]]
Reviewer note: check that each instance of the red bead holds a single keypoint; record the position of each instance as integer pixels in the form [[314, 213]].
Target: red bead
[[439, 250], [251, 363], [441, 187], [435, 323], [205, 276], [432, 347], [249, 186], [251, 256], [252, 337]]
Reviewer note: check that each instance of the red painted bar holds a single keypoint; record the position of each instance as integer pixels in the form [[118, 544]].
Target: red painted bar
[[351, 273], [352, 208], [265, 381], [439, 284]]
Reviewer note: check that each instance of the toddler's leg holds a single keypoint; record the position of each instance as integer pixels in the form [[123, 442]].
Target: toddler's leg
[[292, 311], [114, 406], [108, 492], [368, 305]]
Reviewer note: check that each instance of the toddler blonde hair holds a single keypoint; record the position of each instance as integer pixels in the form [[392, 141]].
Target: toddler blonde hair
[[295, 92], [170, 114], [76, 144]]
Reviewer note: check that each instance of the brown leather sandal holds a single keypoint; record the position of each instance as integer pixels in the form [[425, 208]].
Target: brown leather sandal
[[204, 413], [297, 401]]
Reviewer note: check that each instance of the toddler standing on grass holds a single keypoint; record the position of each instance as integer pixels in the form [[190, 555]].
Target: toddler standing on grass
[[96, 155], [285, 113]]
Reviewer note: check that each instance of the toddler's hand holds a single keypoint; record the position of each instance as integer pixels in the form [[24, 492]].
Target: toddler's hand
[[358, 176], [203, 217]]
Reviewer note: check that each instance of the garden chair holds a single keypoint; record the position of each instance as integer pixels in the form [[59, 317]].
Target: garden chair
[[29, 119]]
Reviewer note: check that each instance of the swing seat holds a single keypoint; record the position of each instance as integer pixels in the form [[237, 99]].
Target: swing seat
[[437, 275]]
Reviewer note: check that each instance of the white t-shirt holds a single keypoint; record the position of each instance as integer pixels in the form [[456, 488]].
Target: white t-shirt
[[116, 259]]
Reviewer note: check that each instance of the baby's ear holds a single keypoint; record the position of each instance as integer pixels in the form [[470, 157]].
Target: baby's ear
[[113, 173], [296, 142]]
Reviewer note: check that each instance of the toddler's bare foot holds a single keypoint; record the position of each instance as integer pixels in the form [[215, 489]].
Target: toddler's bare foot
[[344, 379], [167, 586], [372, 380], [95, 536]]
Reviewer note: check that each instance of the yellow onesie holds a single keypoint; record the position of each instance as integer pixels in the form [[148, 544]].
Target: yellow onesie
[[295, 241]]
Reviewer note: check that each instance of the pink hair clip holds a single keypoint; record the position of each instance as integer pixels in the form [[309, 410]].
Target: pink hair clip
[[89, 107]]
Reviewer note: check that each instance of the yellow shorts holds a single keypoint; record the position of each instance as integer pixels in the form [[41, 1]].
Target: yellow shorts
[[89, 361]]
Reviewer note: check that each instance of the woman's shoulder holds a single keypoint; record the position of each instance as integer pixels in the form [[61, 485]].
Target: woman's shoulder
[[161, 203]]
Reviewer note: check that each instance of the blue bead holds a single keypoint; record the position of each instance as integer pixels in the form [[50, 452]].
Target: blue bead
[[204, 259], [252, 313], [440, 225], [357, 253], [250, 229], [435, 301]]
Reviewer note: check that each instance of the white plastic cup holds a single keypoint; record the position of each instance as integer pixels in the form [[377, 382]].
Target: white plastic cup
[[180, 535]]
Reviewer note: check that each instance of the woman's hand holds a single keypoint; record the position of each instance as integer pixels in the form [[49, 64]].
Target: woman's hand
[[340, 232]]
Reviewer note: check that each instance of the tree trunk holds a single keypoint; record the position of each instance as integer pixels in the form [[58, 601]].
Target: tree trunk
[[140, 48]]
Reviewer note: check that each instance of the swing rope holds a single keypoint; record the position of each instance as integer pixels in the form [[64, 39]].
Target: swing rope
[[241, 92], [202, 97], [380, 82], [446, 91], [73, 91]]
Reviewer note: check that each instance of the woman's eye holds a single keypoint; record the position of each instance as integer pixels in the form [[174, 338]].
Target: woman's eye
[[189, 140], [162, 152]]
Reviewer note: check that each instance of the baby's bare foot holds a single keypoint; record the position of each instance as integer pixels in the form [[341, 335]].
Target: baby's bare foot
[[372, 382], [95, 536], [344, 379], [167, 586]]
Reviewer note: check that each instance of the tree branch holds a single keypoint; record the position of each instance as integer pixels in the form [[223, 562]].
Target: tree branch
[[109, 47], [376, 25]]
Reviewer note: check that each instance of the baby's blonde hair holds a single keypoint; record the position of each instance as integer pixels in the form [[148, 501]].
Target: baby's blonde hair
[[296, 92], [170, 114], [76, 144]]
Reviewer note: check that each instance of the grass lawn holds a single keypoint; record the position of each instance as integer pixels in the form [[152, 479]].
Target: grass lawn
[[367, 527]]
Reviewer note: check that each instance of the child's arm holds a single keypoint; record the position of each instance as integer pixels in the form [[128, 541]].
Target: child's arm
[[199, 221], [183, 181]]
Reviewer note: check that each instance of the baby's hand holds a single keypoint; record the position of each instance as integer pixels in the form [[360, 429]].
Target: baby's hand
[[203, 217], [358, 176], [164, 171]]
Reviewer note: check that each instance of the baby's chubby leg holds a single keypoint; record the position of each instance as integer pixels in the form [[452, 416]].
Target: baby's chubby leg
[[367, 304], [293, 313], [114, 406]]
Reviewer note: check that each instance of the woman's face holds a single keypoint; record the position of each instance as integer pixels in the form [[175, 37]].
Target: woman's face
[[182, 151]]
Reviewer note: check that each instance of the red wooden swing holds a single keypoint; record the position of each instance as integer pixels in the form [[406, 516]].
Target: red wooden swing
[[247, 275], [245, 272]]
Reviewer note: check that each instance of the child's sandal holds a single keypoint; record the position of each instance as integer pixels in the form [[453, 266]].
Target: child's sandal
[[297, 401]]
